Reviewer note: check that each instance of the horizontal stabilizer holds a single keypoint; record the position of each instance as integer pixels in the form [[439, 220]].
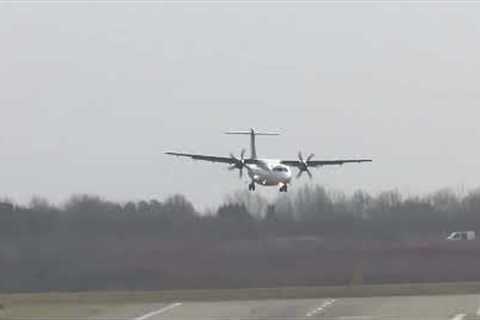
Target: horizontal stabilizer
[[253, 132]]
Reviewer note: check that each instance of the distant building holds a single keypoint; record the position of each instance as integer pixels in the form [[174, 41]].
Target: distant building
[[462, 235]]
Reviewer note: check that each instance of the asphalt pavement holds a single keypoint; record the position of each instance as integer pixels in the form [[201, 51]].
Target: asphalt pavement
[[455, 307]]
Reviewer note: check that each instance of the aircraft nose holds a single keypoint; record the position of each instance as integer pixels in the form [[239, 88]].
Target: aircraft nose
[[288, 175]]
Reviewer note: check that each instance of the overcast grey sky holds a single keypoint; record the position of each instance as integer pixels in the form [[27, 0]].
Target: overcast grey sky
[[92, 95]]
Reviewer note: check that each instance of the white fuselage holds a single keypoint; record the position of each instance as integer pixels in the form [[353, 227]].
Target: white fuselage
[[270, 173]]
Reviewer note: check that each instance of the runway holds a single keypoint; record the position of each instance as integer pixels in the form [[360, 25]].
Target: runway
[[457, 307], [152, 306]]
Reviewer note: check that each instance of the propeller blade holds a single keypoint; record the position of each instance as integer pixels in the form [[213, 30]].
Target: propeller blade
[[309, 174], [303, 166], [239, 163]]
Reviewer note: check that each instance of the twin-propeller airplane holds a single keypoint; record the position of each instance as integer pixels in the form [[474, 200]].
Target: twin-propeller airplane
[[267, 172]]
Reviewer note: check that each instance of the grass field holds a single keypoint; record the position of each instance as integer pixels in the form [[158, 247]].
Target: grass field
[[243, 294]]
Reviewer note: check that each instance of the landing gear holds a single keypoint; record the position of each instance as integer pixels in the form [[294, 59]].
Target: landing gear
[[284, 188], [251, 186]]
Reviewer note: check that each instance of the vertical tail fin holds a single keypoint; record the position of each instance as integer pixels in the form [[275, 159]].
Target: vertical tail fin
[[253, 133]]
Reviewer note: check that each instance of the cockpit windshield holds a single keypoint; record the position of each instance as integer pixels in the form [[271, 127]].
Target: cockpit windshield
[[280, 169]]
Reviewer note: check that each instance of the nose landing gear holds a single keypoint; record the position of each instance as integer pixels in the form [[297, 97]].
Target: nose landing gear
[[284, 188], [251, 186]]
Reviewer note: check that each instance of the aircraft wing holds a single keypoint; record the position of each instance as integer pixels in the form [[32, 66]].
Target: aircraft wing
[[228, 160], [320, 163]]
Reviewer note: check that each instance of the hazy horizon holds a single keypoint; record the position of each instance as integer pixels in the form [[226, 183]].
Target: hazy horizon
[[94, 94]]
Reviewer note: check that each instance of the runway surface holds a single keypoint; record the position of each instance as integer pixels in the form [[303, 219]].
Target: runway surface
[[458, 307]]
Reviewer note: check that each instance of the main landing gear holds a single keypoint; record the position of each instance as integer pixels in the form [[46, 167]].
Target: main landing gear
[[251, 186], [284, 188]]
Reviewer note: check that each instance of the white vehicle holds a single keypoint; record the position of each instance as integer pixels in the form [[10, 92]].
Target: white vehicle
[[462, 235], [266, 172]]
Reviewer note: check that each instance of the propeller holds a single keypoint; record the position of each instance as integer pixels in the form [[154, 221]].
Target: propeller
[[239, 163], [304, 165]]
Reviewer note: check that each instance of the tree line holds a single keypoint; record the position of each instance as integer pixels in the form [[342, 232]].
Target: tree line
[[312, 210], [92, 243]]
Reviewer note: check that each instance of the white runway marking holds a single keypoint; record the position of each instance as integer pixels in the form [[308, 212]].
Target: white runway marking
[[459, 316], [321, 308], [159, 311], [478, 312]]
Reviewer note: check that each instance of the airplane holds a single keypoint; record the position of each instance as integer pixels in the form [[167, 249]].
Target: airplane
[[266, 172]]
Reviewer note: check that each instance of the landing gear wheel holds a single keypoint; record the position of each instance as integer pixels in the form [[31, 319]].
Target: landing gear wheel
[[251, 186], [284, 188]]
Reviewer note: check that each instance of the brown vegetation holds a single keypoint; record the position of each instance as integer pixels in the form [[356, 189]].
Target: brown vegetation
[[312, 238]]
